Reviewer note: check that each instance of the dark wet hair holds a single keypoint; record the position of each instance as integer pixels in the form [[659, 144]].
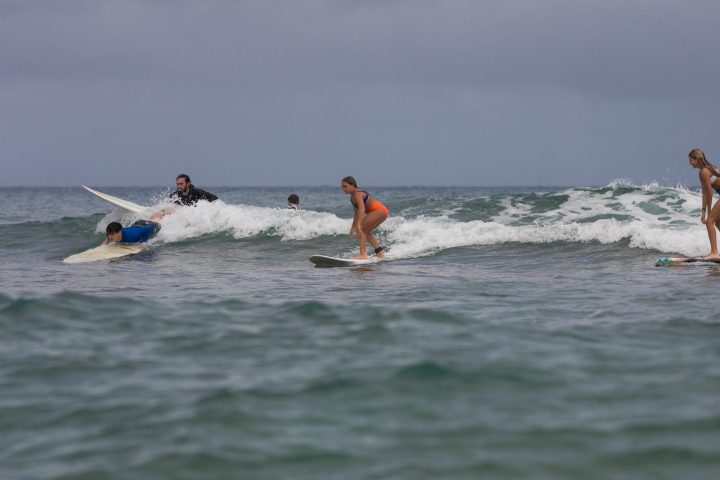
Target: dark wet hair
[[113, 227], [350, 180], [294, 199], [185, 176]]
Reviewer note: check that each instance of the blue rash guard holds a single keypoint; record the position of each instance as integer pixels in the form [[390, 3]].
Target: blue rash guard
[[140, 232]]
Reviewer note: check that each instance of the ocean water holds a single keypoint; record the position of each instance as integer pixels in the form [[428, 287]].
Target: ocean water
[[516, 333]]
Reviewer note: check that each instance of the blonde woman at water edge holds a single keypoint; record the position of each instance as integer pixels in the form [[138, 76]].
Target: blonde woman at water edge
[[710, 182], [369, 214]]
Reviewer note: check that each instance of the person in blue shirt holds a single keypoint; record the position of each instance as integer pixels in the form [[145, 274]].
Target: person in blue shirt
[[139, 232]]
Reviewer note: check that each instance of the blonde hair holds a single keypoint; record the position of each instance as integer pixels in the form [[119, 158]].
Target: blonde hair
[[699, 156]]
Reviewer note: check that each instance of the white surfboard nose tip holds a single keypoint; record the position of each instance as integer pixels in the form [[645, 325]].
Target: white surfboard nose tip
[[118, 202]]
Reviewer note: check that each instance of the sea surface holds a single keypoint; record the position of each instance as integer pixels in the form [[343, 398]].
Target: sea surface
[[516, 333]]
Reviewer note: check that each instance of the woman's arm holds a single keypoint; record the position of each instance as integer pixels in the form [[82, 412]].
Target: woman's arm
[[358, 205]]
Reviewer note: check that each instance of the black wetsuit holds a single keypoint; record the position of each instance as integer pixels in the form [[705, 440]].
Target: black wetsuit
[[193, 196]]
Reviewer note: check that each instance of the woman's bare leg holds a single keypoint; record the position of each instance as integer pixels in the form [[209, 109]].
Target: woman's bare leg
[[713, 223], [362, 244], [371, 221]]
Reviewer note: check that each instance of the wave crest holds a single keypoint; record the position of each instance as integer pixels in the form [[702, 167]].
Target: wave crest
[[648, 216]]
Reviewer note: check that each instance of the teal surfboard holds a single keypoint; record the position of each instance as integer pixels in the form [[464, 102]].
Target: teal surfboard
[[678, 261]]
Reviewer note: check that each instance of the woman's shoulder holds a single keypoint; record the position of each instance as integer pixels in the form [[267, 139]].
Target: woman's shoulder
[[706, 177]]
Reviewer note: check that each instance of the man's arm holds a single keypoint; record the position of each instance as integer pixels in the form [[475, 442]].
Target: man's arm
[[210, 197]]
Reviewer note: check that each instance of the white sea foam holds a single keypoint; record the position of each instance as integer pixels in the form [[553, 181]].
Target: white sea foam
[[240, 221], [648, 217], [423, 236], [243, 221]]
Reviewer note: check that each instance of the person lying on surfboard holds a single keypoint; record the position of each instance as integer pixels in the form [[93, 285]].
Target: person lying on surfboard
[[186, 194], [369, 214], [709, 181], [139, 232]]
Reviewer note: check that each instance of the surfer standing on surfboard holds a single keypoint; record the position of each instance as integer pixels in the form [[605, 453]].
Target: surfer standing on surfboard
[[369, 214], [186, 194], [709, 181]]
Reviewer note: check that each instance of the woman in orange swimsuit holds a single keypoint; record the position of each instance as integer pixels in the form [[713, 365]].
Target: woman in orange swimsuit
[[369, 214]]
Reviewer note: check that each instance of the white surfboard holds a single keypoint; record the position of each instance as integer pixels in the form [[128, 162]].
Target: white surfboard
[[107, 251], [325, 261], [118, 202]]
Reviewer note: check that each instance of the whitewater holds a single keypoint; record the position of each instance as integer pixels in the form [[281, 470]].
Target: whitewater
[[665, 219]]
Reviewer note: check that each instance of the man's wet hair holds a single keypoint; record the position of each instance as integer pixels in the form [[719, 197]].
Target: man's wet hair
[[113, 227], [294, 199]]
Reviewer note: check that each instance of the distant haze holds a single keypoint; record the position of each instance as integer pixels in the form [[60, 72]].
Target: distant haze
[[393, 92]]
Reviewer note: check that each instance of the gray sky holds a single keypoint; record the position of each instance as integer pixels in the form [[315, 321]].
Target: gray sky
[[393, 92]]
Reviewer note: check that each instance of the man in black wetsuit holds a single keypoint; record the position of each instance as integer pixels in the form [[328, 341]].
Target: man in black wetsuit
[[186, 194]]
